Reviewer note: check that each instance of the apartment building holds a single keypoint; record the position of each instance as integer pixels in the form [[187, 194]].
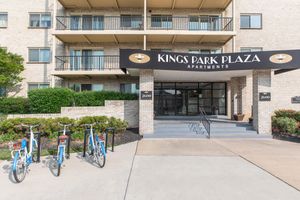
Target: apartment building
[[76, 44]]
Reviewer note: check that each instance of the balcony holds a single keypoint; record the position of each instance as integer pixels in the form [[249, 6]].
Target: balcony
[[118, 4], [191, 23], [87, 65], [130, 28], [100, 23]]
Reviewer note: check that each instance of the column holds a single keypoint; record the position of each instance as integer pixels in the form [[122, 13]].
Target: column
[[262, 110], [146, 108], [229, 104]]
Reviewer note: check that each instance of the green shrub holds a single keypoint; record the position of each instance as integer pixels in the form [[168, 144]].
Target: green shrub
[[90, 98], [288, 113], [50, 100], [87, 98], [12, 105], [9, 129], [284, 124]]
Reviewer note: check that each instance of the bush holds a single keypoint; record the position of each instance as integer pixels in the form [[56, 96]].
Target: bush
[[288, 113], [284, 124], [49, 100], [9, 129], [12, 105], [90, 98]]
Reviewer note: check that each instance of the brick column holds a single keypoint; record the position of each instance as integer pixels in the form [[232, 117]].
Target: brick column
[[262, 110], [146, 110]]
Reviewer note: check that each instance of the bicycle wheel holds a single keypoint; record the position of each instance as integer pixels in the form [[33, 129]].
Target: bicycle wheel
[[60, 160], [19, 168], [100, 155]]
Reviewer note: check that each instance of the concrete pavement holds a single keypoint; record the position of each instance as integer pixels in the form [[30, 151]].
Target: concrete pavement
[[154, 169]]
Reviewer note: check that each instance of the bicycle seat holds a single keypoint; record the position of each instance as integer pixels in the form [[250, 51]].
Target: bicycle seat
[[63, 137]]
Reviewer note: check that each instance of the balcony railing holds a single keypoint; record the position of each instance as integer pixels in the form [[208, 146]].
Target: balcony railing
[[89, 22], [87, 63], [191, 23], [159, 22]]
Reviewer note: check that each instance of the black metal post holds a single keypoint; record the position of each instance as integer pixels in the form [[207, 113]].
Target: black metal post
[[113, 141], [106, 140], [39, 148], [69, 144], [84, 143]]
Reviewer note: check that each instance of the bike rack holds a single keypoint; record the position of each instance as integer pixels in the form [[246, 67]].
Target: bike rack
[[84, 142], [69, 134], [38, 154], [110, 130]]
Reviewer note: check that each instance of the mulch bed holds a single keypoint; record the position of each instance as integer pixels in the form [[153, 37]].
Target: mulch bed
[[286, 137]]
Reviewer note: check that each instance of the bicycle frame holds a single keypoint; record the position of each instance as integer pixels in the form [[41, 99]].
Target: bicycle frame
[[61, 149], [27, 158]]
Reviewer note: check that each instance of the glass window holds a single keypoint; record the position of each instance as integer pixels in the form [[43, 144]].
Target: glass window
[[161, 21], [41, 55], [3, 20], [97, 87], [86, 87], [2, 92], [129, 88], [40, 20], [98, 22], [251, 21], [32, 86], [251, 49]]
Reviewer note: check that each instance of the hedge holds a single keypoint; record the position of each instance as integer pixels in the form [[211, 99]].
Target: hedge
[[9, 129], [50, 100], [12, 105], [284, 124], [288, 113]]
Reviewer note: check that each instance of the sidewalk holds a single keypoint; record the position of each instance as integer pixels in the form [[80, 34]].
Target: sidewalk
[[170, 169]]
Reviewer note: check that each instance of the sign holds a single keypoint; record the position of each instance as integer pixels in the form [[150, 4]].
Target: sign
[[264, 96], [296, 99], [140, 59], [146, 95]]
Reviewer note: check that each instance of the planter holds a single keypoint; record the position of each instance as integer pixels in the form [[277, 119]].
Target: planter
[[238, 117]]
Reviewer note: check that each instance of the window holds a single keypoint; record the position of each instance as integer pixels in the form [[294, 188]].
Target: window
[[77, 87], [205, 51], [3, 20], [251, 49], [161, 21], [129, 88], [39, 55], [131, 21], [40, 20], [32, 86], [87, 22], [251, 21], [204, 22], [163, 50], [2, 92]]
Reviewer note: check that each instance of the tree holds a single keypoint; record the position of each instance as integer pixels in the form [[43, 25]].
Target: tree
[[11, 65]]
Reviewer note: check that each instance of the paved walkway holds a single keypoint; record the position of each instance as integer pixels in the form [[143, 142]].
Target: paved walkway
[[217, 169]]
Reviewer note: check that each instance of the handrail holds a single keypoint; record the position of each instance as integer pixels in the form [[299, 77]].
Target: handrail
[[205, 121], [87, 63]]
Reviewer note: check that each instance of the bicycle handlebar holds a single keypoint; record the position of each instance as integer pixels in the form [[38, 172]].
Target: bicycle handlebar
[[30, 126], [64, 125]]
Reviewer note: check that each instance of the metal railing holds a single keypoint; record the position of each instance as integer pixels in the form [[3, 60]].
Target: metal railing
[[135, 22], [191, 23], [205, 121], [89, 22], [87, 63]]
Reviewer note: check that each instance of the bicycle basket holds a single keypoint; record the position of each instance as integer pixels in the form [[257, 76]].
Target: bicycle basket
[[16, 146], [63, 139]]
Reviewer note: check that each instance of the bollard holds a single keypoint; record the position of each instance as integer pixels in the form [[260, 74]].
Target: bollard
[[84, 143], [39, 148]]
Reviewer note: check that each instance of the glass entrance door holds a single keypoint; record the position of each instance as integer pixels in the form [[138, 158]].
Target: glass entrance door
[[189, 98]]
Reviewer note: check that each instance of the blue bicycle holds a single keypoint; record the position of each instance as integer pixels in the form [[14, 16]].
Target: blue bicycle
[[63, 142], [22, 158], [95, 146]]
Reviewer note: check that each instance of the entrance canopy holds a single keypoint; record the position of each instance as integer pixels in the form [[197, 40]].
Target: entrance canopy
[[140, 59]]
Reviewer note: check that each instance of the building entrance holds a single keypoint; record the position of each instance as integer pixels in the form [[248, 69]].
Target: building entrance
[[187, 98]]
